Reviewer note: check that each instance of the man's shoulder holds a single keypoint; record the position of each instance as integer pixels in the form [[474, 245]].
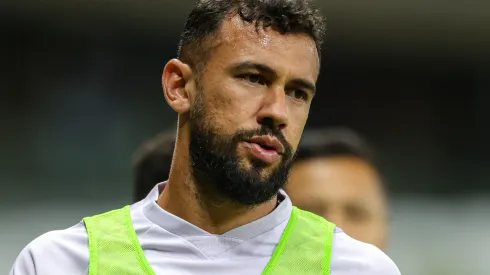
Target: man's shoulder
[[55, 252], [64, 251], [351, 256]]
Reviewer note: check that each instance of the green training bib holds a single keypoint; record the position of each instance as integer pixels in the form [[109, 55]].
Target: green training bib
[[305, 247]]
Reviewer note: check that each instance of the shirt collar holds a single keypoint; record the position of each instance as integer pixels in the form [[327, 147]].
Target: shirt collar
[[182, 228]]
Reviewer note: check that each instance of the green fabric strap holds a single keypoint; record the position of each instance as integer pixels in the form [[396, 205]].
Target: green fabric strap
[[114, 246], [305, 247]]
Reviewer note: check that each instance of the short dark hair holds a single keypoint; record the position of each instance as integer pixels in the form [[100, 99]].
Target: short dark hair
[[151, 163], [284, 16], [338, 142], [332, 142]]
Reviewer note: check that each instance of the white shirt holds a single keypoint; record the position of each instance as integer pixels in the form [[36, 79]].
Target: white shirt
[[176, 247]]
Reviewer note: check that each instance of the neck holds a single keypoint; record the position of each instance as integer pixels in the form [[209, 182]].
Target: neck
[[181, 198]]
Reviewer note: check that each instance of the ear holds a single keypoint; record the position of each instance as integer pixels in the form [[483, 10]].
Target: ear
[[175, 78]]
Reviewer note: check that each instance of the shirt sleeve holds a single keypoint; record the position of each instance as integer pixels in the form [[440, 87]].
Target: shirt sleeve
[[24, 264], [58, 252], [382, 265], [352, 257]]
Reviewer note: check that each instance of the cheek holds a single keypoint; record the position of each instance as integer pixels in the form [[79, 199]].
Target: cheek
[[371, 232], [228, 106], [293, 135], [297, 116]]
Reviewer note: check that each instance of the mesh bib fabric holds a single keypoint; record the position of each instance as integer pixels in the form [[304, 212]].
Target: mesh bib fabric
[[114, 246], [305, 247]]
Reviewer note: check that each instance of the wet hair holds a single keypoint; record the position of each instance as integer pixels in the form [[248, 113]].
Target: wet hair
[[283, 16]]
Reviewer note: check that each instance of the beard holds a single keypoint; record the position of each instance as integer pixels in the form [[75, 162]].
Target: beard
[[218, 170]]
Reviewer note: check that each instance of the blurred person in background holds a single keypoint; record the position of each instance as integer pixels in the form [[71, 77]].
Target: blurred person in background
[[151, 164], [335, 176], [242, 88]]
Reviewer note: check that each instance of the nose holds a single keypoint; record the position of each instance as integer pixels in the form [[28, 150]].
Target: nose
[[273, 111]]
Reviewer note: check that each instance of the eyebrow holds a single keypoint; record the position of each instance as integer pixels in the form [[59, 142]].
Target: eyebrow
[[248, 65], [262, 68]]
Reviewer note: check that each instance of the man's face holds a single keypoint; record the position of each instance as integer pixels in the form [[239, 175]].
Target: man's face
[[346, 191], [249, 109]]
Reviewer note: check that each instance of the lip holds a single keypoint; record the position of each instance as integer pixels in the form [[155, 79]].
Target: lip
[[268, 156], [268, 141]]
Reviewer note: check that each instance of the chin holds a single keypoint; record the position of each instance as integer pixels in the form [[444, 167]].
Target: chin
[[253, 163]]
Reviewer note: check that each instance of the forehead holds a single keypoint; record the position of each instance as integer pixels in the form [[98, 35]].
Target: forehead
[[291, 54], [338, 179]]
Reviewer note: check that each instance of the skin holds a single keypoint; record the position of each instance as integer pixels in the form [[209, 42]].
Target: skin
[[251, 76], [346, 191]]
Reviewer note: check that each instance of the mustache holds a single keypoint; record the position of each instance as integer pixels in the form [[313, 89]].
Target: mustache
[[245, 134]]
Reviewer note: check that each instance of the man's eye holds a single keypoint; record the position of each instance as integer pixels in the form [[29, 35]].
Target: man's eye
[[299, 95], [357, 214], [253, 78]]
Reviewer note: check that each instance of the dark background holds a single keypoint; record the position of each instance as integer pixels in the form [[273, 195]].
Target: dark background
[[80, 90]]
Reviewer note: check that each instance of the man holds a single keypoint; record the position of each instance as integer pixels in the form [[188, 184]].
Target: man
[[242, 88], [152, 163], [334, 176]]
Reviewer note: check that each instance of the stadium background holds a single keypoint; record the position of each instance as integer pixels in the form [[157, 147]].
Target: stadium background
[[80, 90]]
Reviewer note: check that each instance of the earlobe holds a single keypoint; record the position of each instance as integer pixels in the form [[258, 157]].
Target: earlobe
[[175, 78]]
